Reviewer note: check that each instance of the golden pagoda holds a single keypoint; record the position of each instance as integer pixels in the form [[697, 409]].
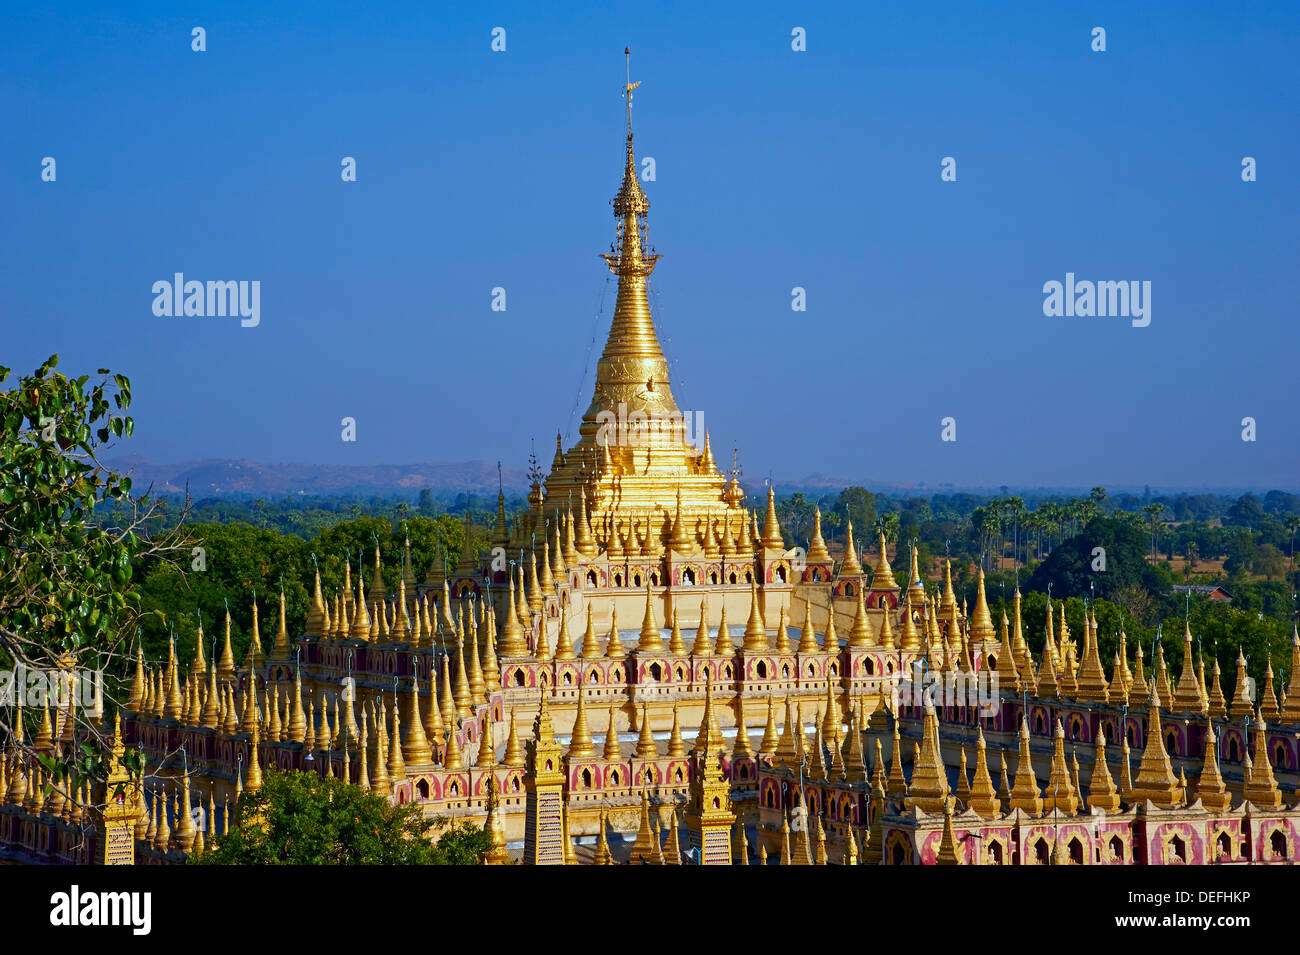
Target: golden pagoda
[[632, 464], [708, 813]]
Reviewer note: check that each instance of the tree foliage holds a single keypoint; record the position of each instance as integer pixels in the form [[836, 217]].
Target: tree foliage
[[62, 575], [1069, 568], [300, 818], [65, 571]]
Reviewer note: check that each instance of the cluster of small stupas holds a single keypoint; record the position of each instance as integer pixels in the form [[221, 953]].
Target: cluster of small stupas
[[1024, 797], [506, 690]]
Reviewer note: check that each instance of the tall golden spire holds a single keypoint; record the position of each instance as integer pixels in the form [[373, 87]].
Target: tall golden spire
[[590, 644], [1117, 682], [1261, 787], [1102, 793], [1005, 664], [1024, 661], [646, 850], [512, 632], [136, 698], [948, 605], [280, 646], [487, 750], [1060, 794], [374, 750], [1004, 786], [723, 647], [253, 781], [396, 761], [613, 646], [909, 639], [983, 797], [676, 747], [1210, 788], [808, 637], [770, 740], [496, 853], [676, 645], [851, 567], [703, 645], [1291, 710], [1188, 691], [461, 686], [580, 744], [1156, 780], [1242, 706], [649, 641], [817, 552], [645, 741], [361, 617], [1091, 679], [632, 368], [226, 662], [771, 526], [860, 632], [981, 623], [603, 856], [949, 854], [1268, 707], [782, 631], [416, 749], [896, 786], [928, 788], [851, 756], [755, 630], [884, 578], [1161, 679], [564, 645], [832, 726], [961, 792], [710, 736], [1025, 794]]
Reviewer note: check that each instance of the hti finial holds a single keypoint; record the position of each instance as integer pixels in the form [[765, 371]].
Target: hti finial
[[627, 90]]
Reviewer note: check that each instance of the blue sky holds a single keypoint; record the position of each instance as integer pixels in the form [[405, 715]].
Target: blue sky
[[774, 169]]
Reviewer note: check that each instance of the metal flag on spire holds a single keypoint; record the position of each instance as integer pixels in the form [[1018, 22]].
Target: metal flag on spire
[[629, 87]]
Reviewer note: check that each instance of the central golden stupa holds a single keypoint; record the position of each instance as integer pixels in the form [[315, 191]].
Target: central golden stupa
[[634, 469], [635, 522]]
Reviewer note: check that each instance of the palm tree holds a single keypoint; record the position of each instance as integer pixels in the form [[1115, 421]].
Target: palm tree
[[1293, 524], [995, 509], [989, 529], [1078, 509], [1015, 509], [1087, 510], [1036, 523], [1055, 513], [1152, 511]]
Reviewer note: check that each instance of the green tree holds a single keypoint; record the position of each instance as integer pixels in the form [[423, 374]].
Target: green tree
[[1069, 568], [1269, 562], [303, 819], [1152, 511], [858, 505], [64, 571]]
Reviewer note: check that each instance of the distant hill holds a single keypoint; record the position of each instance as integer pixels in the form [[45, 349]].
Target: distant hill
[[220, 477]]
